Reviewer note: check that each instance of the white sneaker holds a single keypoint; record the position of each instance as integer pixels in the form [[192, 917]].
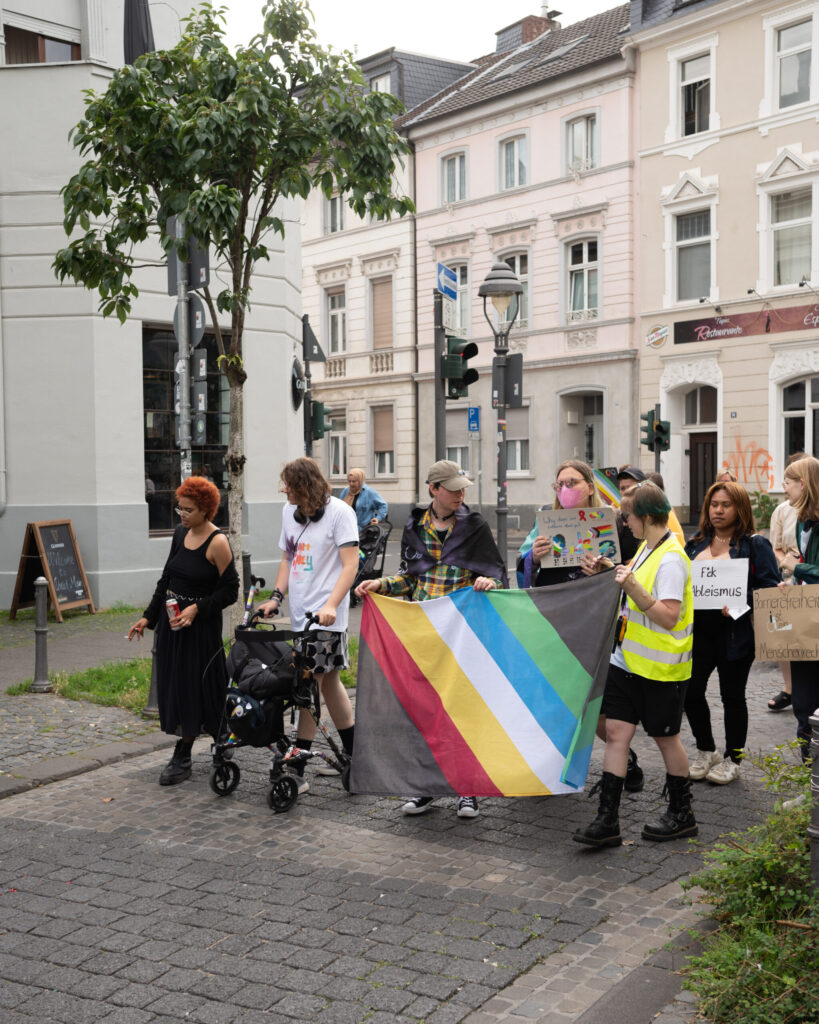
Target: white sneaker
[[322, 768], [703, 763], [300, 780], [724, 772], [468, 807], [417, 805]]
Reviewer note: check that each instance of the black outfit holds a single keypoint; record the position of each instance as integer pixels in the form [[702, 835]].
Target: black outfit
[[190, 662], [805, 674], [727, 645]]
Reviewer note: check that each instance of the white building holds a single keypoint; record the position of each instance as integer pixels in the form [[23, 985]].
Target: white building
[[86, 405]]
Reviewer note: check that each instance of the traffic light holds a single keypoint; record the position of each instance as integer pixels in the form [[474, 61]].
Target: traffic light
[[454, 369], [662, 435], [319, 419], [647, 429]]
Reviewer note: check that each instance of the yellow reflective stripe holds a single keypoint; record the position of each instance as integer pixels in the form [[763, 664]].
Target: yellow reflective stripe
[[644, 622], [652, 654]]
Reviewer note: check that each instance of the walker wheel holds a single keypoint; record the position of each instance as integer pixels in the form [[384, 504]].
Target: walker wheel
[[283, 794], [345, 777], [224, 778]]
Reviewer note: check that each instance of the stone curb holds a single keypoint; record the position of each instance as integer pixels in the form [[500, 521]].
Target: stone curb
[[54, 769]]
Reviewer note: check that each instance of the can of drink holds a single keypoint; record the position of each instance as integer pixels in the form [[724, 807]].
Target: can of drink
[[172, 608]]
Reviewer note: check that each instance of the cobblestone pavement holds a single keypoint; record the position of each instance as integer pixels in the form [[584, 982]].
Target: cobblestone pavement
[[122, 902]]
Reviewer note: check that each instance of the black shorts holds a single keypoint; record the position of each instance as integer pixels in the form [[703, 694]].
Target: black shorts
[[658, 706]]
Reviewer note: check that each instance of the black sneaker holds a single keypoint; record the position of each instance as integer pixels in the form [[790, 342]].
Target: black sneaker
[[417, 805], [468, 807]]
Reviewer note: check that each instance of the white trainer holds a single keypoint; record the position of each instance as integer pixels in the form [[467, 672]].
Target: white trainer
[[322, 768], [702, 764], [724, 772]]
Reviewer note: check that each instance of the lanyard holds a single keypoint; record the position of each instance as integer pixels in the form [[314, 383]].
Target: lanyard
[[657, 546]]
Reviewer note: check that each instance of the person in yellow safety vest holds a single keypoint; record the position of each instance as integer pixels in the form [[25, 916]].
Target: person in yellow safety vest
[[649, 671]]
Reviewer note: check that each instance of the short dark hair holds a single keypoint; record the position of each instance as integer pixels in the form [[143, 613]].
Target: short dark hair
[[646, 499]]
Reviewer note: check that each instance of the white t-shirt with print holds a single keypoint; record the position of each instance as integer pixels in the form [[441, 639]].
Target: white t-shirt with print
[[315, 563]]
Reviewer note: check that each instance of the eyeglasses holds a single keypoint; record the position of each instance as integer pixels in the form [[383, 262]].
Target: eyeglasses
[[567, 483], [185, 511]]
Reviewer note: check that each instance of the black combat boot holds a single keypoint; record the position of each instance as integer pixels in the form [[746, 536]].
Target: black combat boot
[[634, 774], [179, 767], [678, 820], [605, 829]]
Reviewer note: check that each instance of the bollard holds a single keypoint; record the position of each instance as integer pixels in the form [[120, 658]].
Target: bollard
[[813, 827], [151, 709], [247, 573], [41, 684]]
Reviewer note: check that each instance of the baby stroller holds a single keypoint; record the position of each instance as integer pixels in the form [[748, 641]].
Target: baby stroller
[[270, 673], [372, 550]]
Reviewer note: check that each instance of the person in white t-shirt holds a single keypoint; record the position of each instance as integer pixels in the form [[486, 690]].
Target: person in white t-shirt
[[319, 541]]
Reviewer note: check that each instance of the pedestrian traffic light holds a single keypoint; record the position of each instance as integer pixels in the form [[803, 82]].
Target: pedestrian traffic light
[[662, 435], [454, 369], [647, 429], [319, 419]]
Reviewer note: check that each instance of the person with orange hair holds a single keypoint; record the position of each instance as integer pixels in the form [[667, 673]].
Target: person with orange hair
[[191, 674]]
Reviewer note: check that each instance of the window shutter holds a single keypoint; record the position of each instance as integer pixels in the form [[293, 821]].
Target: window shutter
[[517, 424], [383, 429], [382, 313], [457, 432]]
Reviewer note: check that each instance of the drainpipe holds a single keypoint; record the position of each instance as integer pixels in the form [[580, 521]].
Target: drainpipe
[[2, 412], [413, 249]]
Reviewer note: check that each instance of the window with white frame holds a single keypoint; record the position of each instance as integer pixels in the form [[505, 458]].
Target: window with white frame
[[462, 303], [513, 162], [800, 412], [453, 178], [517, 442], [519, 262], [381, 295], [692, 243], [593, 428], [381, 83], [457, 437], [337, 321], [337, 443], [335, 215], [791, 231], [582, 279], [701, 406], [793, 63], [695, 94], [581, 144], [383, 434]]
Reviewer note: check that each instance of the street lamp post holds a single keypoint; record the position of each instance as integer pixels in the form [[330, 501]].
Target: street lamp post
[[501, 285]]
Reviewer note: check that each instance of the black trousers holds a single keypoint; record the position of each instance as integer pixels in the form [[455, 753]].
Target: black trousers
[[805, 697], [709, 654]]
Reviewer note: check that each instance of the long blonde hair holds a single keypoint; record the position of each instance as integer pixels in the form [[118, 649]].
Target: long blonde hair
[[585, 470], [806, 470]]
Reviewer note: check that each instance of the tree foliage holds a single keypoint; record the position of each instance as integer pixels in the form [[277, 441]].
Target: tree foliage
[[220, 137]]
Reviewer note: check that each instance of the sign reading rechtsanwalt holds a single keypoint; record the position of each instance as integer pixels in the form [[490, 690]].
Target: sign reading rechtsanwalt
[[786, 623], [720, 583]]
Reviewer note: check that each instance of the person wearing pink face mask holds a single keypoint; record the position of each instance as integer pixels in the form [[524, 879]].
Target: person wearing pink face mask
[[574, 487]]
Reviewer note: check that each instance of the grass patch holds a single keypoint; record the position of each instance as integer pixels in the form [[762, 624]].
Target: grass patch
[[348, 675], [760, 965], [27, 614], [119, 684]]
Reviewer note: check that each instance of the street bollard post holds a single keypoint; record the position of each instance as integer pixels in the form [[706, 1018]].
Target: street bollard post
[[41, 684], [151, 709], [813, 827]]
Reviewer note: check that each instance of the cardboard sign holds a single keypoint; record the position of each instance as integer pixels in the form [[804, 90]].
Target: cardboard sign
[[575, 532], [719, 582], [786, 623]]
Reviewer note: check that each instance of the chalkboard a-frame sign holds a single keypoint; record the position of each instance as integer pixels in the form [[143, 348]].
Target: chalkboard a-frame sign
[[50, 549]]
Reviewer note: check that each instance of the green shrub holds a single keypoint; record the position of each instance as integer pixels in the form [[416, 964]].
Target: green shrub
[[762, 506], [760, 966]]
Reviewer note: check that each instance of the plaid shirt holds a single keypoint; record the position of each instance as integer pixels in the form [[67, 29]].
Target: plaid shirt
[[438, 581]]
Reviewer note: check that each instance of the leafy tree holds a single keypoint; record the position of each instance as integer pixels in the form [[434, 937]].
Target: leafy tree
[[219, 138]]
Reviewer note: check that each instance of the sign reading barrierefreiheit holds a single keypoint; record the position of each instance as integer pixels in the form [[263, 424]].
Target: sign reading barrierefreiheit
[[786, 623]]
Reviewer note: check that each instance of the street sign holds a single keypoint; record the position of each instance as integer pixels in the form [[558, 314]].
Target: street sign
[[198, 263], [311, 350], [447, 281], [196, 320], [473, 419], [448, 314]]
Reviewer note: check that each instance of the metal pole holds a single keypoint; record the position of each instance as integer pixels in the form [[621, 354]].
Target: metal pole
[[657, 415], [813, 827], [308, 390], [501, 351], [41, 684], [183, 358], [151, 709], [440, 386], [480, 471]]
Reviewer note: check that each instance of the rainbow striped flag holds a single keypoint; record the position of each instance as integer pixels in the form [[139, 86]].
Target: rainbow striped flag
[[482, 694]]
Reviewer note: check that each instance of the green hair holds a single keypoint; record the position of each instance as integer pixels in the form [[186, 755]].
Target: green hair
[[646, 499]]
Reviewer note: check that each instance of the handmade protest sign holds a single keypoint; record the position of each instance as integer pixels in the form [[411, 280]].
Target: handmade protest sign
[[575, 532], [720, 582], [786, 623]]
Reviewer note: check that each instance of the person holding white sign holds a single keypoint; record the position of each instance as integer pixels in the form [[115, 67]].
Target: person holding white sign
[[722, 640], [802, 488]]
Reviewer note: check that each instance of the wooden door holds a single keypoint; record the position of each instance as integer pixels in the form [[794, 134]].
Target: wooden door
[[702, 469]]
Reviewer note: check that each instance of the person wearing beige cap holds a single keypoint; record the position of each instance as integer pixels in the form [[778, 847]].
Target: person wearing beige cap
[[445, 546]]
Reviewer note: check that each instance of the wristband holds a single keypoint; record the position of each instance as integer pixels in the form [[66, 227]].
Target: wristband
[[277, 595]]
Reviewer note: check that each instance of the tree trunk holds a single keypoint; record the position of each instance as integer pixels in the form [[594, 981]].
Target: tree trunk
[[235, 463]]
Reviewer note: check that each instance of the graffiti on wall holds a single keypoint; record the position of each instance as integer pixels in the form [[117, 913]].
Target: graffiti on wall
[[751, 465]]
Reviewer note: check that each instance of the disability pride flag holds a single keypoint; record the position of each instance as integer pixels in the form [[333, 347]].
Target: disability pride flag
[[482, 694]]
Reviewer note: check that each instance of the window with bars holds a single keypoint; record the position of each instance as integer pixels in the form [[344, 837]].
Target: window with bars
[[162, 454], [791, 227], [693, 254], [383, 440], [582, 282], [381, 294], [793, 63]]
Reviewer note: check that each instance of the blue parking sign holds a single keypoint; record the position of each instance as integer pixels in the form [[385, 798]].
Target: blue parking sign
[[473, 418]]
